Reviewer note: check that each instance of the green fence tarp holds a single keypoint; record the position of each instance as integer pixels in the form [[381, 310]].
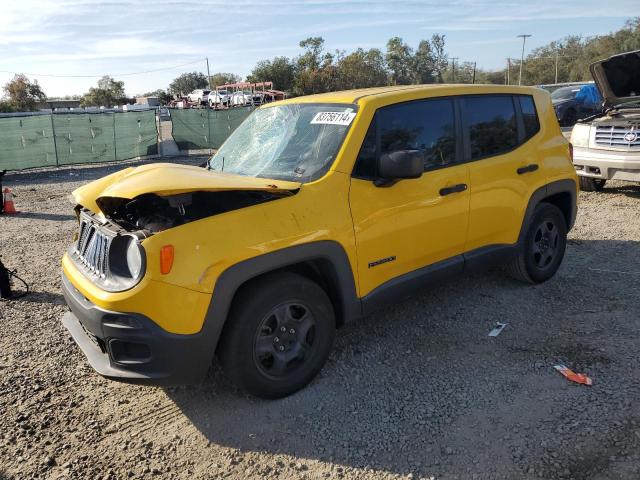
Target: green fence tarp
[[191, 129], [28, 141], [136, 135], [84, 137]]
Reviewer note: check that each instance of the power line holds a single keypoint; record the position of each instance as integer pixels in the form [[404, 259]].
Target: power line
[[98, 76]]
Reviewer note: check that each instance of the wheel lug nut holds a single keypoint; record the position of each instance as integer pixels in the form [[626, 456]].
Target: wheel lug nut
[[281, 348], [292, 331], [276, 339], [283, 329]]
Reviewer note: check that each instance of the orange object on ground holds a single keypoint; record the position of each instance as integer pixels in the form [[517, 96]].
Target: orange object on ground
[[8, 207], [573, 376]]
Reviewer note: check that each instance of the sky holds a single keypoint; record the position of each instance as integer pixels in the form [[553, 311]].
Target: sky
[[66, 45]]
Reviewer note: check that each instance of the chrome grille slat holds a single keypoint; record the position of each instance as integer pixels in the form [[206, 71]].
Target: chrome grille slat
[[92, 247], [614, 136]]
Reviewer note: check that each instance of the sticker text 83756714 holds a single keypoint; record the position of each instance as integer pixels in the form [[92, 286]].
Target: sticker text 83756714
[[333, 118]]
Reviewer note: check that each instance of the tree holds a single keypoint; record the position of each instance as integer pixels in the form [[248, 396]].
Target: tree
[[109, 92], [220, 78], [280, 71], [439, 56], [315, 68], [187, 83], [573, 55], [22, 94], [399, 59], [362, 69], [423, 63]]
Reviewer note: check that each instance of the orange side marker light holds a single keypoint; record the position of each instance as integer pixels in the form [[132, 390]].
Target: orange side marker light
[[166, 259]]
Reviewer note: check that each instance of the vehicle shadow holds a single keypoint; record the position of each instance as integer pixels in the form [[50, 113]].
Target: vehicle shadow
[[38, 297], [56, 217], [400, 381], [628, 189]]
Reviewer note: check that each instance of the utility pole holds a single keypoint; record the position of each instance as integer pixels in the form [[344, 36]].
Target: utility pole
[[508, 75], [208, 74], [556, 67], [473, 80], [453, 69], [524, 39]]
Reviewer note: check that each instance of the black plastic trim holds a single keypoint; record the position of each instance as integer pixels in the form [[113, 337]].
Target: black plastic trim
[[173, 359], [234, 277], [404, 286]]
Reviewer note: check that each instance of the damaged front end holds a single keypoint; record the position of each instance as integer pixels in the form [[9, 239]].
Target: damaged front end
[[117, 213], [154, 213]]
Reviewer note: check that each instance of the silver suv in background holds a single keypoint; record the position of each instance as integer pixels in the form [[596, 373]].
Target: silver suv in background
[[607, 145]]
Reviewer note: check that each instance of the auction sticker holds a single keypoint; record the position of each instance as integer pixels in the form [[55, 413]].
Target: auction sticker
[[333, 118]]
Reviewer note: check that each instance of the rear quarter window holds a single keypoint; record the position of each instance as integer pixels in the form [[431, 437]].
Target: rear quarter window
[[491, 123], [529, 116]]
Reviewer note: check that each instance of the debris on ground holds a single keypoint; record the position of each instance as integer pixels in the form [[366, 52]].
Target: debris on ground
[[497, 330], [573, 376]]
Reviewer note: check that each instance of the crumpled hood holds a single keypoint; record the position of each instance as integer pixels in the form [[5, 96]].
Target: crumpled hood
[[170, 179], [618, 78]]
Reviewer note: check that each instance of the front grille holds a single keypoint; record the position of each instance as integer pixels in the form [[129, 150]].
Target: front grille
[[618, 136], [92, 247]]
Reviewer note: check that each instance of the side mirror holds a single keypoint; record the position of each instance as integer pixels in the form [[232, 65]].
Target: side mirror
[[400, 164]]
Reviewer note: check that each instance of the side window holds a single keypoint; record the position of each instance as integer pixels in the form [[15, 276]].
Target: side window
[[529, 116], [366, 162], [491, 120], [425, 125]]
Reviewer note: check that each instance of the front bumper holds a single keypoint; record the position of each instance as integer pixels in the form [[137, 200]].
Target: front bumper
[[131, 347], [607, 164]]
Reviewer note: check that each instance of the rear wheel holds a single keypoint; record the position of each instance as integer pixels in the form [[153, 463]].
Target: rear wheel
[[543, 247], [278, 335], [588, 184]]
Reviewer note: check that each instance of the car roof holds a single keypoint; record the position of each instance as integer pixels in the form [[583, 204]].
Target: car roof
[[398, 92]]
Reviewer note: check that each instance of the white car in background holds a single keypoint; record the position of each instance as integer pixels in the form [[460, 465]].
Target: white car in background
[[198, 96], [247, 97], [218, 97]]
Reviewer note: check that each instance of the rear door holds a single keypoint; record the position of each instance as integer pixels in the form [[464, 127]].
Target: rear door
[[503, 164], [413, 223]]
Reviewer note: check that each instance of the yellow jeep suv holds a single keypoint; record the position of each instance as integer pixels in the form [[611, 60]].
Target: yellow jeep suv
[[315, 211]]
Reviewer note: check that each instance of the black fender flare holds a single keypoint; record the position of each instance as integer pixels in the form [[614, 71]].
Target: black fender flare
[[544, 192], [237, 275]]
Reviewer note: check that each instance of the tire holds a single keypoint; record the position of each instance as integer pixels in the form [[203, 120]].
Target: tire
[[543, 247], [257, 354], [588, 184]]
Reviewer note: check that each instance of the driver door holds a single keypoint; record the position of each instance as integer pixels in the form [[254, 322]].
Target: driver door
[[410, 224]]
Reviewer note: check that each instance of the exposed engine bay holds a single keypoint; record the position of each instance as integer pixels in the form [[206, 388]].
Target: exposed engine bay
[[155, 213]]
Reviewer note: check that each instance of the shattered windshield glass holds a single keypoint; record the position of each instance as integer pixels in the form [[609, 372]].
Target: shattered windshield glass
[[295, 142]]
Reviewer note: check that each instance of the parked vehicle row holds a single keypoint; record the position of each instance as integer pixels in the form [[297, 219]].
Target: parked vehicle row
[[216, 98]]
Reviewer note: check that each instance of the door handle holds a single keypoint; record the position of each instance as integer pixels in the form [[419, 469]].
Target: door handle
[[529, 168], [461, 187]]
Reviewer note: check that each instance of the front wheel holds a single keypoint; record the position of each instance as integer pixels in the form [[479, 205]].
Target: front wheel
[[588, 184], [278, 335], [543, 247]]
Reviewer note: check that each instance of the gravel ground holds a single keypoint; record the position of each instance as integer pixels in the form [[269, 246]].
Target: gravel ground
[[415, 391]]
